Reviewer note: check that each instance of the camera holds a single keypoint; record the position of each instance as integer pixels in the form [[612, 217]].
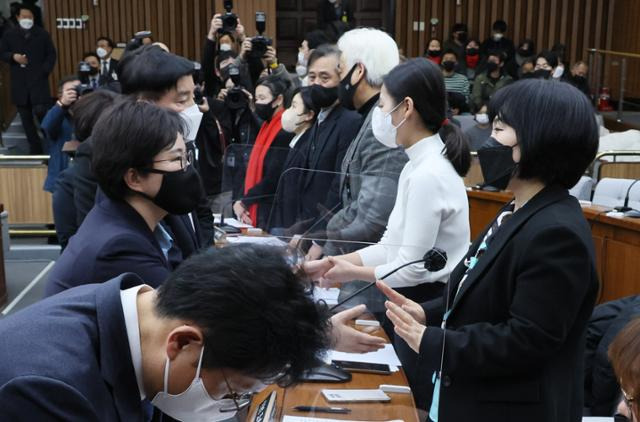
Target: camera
[[236, 98], [84, 70], [137, 40], [229, 20], [259, 43]]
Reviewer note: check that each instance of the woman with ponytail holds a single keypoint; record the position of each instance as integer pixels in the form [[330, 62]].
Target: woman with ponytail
[[431, 208]]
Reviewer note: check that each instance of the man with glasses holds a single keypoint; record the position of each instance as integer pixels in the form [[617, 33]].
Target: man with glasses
[[211, 334], [145, 174]]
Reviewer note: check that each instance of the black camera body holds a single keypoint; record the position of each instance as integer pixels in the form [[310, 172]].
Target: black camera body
[[84, 70], [259, 43], [236, 98], [136, 41], [229, 19]]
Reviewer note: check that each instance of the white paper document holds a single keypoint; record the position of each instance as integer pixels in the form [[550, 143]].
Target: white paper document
[[330, 296], [597, 419], [231, 222], [259, 240], [385, 355], [305, 419]]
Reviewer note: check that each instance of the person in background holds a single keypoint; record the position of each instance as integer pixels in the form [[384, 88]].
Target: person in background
[[506, 340], [366, 200], [498, 42], [31, 56], [578, 77], [526, 51], [457, 106], [454, 81], [268, 154], [312, 40], [140, 183], [624, 353], [212, 331], [433, 52], [478, 133], [546, 63], [108, 65], [335, 10], [219, 50], [490, 81], [84, 114], [527, 70], [458, 43], [472, 58], [560, 51], [431, 207], [95, 79], [58, 129]]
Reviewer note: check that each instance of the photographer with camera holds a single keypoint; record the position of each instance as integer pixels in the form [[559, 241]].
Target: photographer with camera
[[58, 129]]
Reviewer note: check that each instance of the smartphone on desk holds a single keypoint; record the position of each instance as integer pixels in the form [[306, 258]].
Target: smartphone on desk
[[369, 368]]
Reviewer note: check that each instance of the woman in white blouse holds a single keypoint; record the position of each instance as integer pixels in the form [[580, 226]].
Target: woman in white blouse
[[431, 208]]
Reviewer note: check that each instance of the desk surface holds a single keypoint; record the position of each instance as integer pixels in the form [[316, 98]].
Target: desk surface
[[401, 406]]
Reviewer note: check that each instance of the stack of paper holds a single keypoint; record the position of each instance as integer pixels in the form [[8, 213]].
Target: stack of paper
[[330, 296]]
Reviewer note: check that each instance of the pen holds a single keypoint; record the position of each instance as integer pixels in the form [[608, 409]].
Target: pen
[[322, 409]]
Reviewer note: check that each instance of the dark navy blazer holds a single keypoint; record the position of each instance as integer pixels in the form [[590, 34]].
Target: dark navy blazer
[[113, 239], [67, 358]]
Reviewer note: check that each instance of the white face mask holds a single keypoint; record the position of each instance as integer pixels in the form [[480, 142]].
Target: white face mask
[[482, 118], [291, 120], [225, 47], [497, 36], [192, 116], [194, 404], [26, 23], [301, 59], [558, 72], [101, 52], [383, 128]]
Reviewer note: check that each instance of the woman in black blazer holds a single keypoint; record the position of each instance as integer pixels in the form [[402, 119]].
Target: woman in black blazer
[[506, 341]]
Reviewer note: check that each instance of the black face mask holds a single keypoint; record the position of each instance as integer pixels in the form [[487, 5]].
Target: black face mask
[[472, 51], [525, 52], [492, 67], [448, 65], [542, 74], [265, 111], [180, 191], [94, 71], [496, 162], [528, 75], [579, 80], [434, 53], [322, 97], [347, 90]]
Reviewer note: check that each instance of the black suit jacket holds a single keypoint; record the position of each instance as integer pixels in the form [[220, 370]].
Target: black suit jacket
[[327, 146], [29, 84], [515, 336], [67, 358]]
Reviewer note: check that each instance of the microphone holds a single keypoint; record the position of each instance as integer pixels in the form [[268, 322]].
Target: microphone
[[434, 260], [626, 206], [230, 229]]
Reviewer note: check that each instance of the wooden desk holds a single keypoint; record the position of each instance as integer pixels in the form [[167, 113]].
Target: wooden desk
[[616, 241], [401, 406], [3, 283]]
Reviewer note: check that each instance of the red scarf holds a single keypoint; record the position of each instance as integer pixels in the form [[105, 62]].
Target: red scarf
[[472, 61], [255, 169], [436, 59]]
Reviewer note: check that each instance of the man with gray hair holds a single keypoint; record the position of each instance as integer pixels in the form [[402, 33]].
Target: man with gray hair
[[370, 170]]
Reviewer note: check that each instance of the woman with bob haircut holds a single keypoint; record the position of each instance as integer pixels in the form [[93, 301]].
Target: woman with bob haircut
[[506, 340], [624, 353]]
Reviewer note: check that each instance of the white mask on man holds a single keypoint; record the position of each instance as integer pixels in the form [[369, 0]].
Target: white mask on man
[[192, 116], [194, 404], [482, 118], [101, 52], [26, 23]]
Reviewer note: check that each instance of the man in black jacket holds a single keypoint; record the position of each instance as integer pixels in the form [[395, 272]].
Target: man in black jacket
[[31, 55]]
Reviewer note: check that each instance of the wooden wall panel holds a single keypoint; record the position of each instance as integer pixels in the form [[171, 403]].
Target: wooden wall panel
[[626, 38], [181, 24], [580, 24]]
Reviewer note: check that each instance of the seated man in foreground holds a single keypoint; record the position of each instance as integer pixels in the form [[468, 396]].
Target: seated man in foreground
[[216, 328]]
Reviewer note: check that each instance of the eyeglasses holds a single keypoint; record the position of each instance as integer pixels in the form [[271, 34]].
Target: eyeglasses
[[185, 160], [628, 400], [240, 401]]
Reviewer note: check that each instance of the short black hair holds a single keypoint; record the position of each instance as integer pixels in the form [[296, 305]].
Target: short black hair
[[25, 7], [129, 136], [422, 81], [555, 127], [459, 27], [87, 110], [90, 54], [276, 84], [255, 311], [152, 71], [108, 40], [64, 80], [324, 50], [497, 53], [549, 56], [458, 101], [450, 51], [316, 38], [499, 26]]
